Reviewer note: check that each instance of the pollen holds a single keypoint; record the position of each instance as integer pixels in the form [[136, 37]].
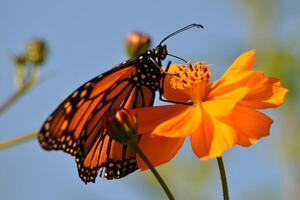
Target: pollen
[[189, 76]]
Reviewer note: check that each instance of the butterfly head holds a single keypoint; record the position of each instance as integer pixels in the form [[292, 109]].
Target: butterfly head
[[160, 52], [155, 55]]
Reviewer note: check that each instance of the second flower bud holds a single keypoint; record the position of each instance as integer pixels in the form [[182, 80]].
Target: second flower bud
[[121, 126]]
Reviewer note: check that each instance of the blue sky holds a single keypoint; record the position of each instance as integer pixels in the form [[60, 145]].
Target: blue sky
[[86, 39]]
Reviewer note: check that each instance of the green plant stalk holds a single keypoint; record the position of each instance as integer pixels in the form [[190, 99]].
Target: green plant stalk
[[13, 97], [17, 140], [136, 148], [223, 178], [21, 90]]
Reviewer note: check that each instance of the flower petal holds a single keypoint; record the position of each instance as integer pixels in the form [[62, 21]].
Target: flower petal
[[251, 124], [169, 92], [267, 94], [158, 150], [149, 118], [238, 71], [244, 62], [250, 79], [222, 105], [264, 92], [181, 125], [201, 141], [214, 138]]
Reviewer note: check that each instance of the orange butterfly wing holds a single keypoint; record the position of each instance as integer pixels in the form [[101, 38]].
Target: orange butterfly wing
[[75, 126], [99, 151], [63, 127]]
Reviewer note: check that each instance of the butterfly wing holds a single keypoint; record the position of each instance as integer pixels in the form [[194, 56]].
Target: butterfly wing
[[75, 126], [99, 150], [63, 127]]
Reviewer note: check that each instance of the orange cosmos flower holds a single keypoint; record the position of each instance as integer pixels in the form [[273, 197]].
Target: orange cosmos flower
[[221, 115]]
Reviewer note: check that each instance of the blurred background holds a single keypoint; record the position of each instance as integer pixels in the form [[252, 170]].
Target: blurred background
[[87, 38]]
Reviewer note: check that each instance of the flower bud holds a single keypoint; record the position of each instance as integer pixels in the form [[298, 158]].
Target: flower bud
[[123, 115], [121, 126], [36, 51], [20, 60], [137, 43]]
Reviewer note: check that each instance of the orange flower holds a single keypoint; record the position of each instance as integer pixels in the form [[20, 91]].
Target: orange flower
[[221, 114]]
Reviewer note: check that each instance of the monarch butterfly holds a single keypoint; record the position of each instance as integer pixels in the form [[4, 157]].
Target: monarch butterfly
[[75, 126]]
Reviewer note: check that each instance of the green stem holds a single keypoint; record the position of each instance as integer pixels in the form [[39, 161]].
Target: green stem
[[12, 99], [136, 148], [21, 90], [19, 139], [223, 178]]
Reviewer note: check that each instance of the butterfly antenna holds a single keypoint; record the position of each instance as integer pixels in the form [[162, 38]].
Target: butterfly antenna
[[181, 30], [177, 57]]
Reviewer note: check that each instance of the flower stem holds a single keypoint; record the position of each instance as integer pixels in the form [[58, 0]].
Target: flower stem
[[19, 139], [136, 148], [12, 99], [223, 178], [21, 90]]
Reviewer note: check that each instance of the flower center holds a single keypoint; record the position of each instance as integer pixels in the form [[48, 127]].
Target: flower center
[[193, 80]]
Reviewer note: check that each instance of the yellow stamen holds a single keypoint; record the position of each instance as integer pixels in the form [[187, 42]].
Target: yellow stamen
[[189, 77], [193, 80]]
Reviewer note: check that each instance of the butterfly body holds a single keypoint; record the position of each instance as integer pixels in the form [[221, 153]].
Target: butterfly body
[[148, 72]]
